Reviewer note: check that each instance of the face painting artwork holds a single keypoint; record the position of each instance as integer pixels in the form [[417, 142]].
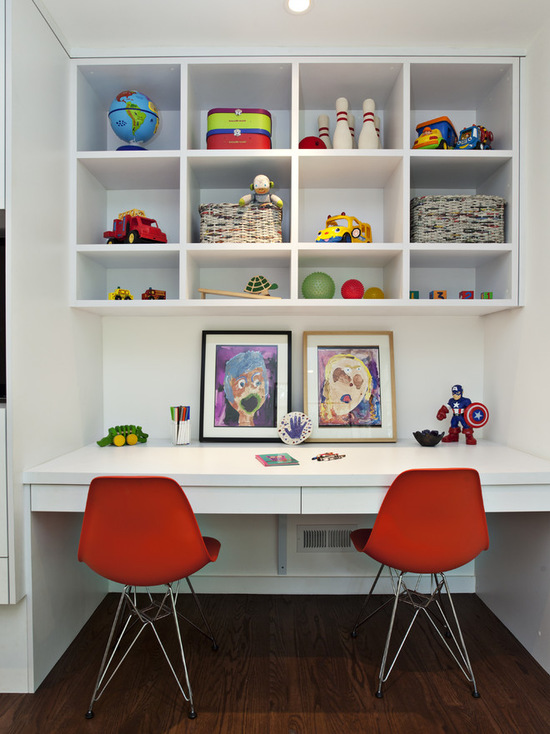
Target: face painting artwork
[[349, 387], [243, 380]]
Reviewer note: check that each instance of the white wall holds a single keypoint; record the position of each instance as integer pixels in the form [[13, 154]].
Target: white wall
[[152, 363], [54, 355], [517, 359]]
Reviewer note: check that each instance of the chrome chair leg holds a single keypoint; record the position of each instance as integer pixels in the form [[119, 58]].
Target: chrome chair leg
[[464, 662], [104, 663], [384, 675], [360, 621], [209, 632], [145, 617], [424, 602]]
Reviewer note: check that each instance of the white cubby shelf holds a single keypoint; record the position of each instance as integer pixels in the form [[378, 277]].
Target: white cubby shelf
[[177, 173]]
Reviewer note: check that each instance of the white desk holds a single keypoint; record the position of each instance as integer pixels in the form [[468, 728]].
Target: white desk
[[221, 478], [228, 479]]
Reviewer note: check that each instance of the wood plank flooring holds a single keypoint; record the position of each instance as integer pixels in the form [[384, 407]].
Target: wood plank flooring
[[288, 665]]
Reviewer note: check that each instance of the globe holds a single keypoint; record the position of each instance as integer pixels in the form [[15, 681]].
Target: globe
[[134, 118], [318, 285]]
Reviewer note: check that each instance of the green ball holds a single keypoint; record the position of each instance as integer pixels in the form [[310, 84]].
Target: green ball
[[318, 285]]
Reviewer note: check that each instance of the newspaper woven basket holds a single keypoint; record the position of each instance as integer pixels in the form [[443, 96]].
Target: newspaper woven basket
[[471, 218], [234, 223]]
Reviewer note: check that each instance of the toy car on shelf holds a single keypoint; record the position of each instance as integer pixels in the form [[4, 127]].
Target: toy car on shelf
[[474, 137], [133, 226], [120, 294], [153, 294], [343, 228], [436, 133]]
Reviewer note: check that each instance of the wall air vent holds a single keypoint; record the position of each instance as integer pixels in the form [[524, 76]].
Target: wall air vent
[[324, 538]]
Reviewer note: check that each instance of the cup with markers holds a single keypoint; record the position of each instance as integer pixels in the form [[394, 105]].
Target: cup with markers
[[180, 432]]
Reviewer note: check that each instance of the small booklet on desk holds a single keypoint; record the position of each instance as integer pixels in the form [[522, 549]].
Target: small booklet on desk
[[276, 459]]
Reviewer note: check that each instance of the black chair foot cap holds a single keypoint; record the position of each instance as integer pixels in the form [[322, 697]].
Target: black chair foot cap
[[89, 714], [476, 694], [192, 714], [215, 647], [379, 694], [354, 634]]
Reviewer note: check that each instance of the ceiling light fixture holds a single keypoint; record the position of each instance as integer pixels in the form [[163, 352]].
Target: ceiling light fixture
[[298, 6]]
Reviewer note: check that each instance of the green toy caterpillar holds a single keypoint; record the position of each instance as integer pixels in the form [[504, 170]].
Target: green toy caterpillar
[[120, 435]]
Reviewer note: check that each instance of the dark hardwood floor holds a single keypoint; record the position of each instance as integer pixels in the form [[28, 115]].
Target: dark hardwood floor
[[288, 665]]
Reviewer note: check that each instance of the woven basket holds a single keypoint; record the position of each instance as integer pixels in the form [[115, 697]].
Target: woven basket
[[474, 218], [234, 223]]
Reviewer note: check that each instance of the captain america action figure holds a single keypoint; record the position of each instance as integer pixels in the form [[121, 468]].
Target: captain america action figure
[[458, 404]]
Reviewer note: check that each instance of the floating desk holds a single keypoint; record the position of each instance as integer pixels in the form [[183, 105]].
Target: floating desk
[[227, 479]]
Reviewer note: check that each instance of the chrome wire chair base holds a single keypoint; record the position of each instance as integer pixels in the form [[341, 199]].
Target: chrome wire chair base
[[129, 616], [420, 602]]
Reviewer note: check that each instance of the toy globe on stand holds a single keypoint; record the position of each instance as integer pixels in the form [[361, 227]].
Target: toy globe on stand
[[374, 292], [352, 289], [134, 119], [318, 285]]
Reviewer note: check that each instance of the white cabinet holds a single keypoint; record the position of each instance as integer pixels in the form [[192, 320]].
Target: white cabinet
[[2, 106], [4, 589], [177, 173]]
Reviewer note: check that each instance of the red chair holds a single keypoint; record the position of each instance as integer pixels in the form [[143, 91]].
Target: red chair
[[431, 521], [141, 531]]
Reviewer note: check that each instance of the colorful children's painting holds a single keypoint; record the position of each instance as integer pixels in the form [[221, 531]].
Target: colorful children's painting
[[349, 386], [246, 382]]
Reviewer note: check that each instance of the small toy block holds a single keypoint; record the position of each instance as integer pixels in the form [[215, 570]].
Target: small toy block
[[487, 294], [438, 294], [414, 294], [466, 294]]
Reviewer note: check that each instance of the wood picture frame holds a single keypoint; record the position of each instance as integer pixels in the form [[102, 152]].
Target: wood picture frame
[[349, 385]]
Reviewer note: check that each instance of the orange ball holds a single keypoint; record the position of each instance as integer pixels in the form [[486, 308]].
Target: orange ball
[[374, 292]]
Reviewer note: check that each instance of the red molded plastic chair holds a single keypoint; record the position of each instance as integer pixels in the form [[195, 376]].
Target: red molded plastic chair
[[141, 531], [431, 521]]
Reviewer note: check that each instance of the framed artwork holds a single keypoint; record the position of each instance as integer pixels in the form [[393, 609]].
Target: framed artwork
[[349, 390], [245, 384]]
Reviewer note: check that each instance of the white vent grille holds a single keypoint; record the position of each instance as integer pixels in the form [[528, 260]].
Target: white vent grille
[[324, 538]]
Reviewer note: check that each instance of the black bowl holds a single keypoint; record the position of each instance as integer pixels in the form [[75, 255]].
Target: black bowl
[[428, 438]]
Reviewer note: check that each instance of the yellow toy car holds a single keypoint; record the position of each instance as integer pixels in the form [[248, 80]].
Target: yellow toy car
[[429, 139], [119, 294], [343, 228]]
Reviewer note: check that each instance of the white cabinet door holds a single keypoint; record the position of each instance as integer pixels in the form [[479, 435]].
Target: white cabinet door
[[2, 107]]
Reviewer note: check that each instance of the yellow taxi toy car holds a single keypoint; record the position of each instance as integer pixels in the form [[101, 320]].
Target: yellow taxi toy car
[[343, 228], [119, 294]]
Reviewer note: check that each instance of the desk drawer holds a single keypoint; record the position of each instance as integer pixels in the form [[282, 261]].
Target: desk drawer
[[244, 500], [342, 500], [206, 500]]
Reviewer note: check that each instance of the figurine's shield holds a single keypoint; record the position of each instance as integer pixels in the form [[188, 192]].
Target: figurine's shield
[[476, 415]]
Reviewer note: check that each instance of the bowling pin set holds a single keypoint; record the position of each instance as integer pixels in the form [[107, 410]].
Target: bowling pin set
[[344, 137]]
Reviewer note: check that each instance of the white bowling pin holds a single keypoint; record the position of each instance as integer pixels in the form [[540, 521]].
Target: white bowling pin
[[377, 126], [342, 135], [368, 139], [324, 131], [351, 124]]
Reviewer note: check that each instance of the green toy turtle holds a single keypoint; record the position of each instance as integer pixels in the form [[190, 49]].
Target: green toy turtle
[[260, 286]]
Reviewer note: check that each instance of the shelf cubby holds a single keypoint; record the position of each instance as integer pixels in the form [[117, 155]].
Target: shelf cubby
[[177, 173]]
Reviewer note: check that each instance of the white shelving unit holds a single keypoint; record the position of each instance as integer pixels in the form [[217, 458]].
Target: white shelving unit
[[177, 173]]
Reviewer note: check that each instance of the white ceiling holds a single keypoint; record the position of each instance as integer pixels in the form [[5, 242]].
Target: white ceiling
[[187, 27]]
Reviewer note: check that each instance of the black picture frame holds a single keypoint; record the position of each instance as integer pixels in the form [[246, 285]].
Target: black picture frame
[[245, 384]]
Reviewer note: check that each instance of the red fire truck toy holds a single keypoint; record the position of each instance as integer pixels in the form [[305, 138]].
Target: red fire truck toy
[[133, 226], [152, 294]]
